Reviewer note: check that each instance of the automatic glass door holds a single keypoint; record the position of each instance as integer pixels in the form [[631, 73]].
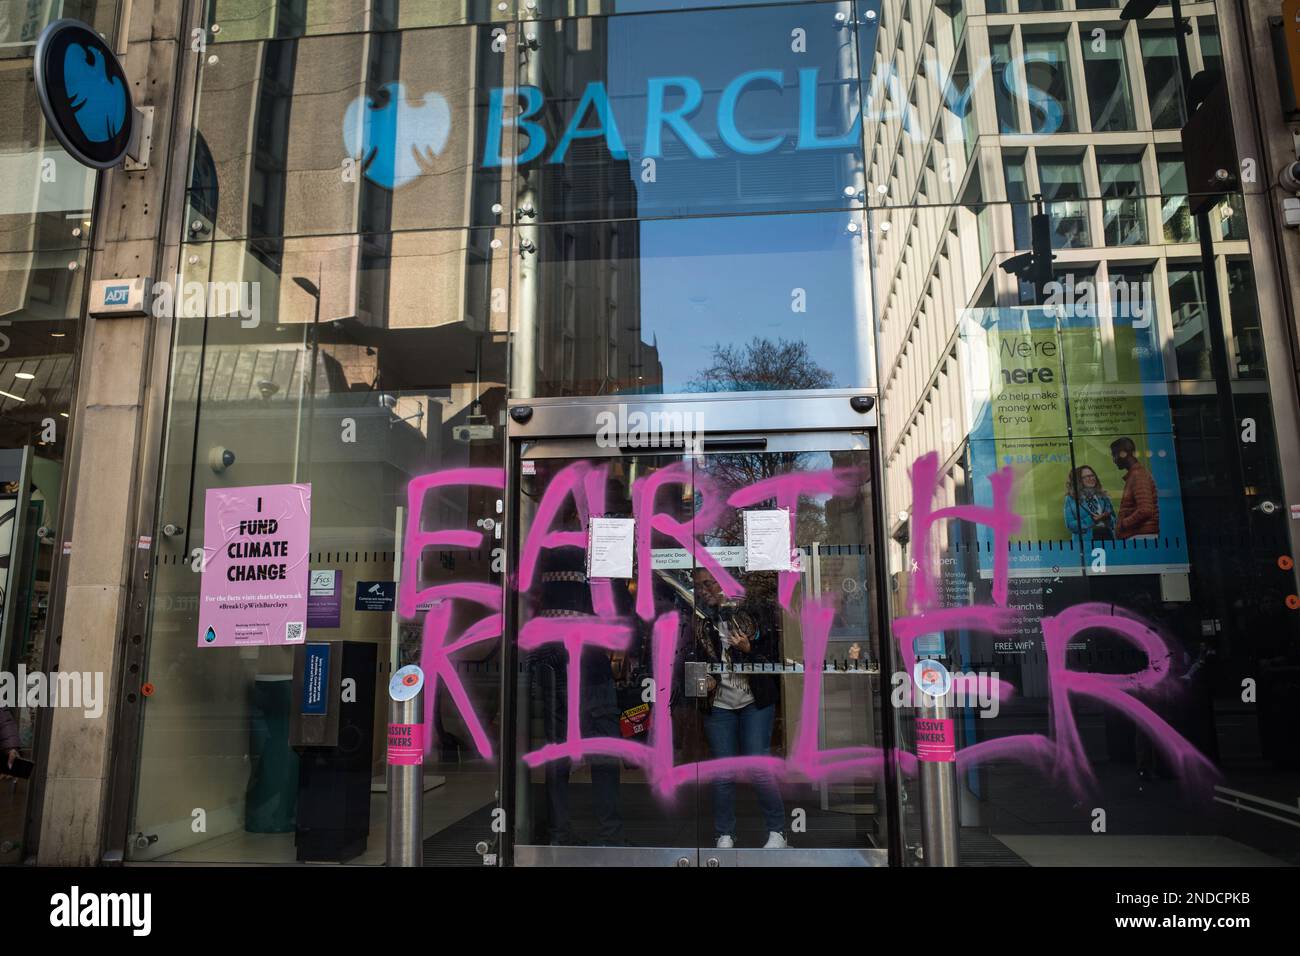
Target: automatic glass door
[[695, 633]]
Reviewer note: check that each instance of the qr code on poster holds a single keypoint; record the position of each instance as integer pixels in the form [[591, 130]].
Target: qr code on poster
[[292, 632]]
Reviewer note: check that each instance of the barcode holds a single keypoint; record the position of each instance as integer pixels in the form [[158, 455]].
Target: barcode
[[292, 632]]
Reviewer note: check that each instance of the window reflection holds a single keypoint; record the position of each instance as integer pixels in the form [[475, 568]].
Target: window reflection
[[1047, 69], [1063, 190], [1121, 178], [1110, 102], [656, 306], [1164, 82]]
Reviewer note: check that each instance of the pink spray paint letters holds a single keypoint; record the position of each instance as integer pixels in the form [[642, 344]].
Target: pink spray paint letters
[[583, 483]]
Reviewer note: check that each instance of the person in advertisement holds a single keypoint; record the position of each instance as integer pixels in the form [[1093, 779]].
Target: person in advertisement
[[1139, 509], [1088, 509]]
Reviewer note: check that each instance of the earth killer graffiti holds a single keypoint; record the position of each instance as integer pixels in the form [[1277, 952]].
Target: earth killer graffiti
[[582, 484]]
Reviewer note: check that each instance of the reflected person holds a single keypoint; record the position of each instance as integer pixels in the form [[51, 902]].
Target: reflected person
[[740, 708], [565, 593]]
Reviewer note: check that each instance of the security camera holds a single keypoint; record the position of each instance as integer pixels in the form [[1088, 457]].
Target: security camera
[[387, 401], [267, 388], [1290, 177], [477, 429], [220, 458]]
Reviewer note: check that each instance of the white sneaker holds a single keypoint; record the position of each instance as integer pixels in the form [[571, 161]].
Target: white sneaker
[[726, 843], [775, 841]]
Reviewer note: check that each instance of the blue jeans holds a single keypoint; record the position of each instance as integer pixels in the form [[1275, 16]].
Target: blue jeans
[[743, 733]]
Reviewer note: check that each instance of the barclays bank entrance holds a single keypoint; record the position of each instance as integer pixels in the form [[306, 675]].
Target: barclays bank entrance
[[646, 372]]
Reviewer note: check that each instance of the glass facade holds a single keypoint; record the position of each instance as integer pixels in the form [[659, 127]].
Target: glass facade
[[46, 203], [408, 222]]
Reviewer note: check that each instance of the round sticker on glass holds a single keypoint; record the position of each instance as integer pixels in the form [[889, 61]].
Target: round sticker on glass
[[406, 683], [932, 678], [83, 93]]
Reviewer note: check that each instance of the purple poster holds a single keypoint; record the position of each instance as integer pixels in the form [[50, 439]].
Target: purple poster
[[255, 562], [325, 599]]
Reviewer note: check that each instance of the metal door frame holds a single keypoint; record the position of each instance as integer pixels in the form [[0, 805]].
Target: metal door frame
[[567, 427]]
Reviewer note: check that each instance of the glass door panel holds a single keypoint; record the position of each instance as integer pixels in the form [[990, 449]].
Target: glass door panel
[[712, 702], [791, 645], [602, 728]]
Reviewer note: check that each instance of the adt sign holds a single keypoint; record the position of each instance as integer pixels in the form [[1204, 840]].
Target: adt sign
[[83, 93], [117, 295]]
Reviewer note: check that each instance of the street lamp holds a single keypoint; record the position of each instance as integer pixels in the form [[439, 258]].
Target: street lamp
[[313, 290]]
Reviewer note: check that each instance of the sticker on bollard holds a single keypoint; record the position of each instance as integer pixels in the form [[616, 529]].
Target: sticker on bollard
[[936, 740], [405, 744], [932, 678], [406, 683]]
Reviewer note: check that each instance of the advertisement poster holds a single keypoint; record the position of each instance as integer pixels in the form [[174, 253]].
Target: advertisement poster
[[255, 563], [1083, 417]]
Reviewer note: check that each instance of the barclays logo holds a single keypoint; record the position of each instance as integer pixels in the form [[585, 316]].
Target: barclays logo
[[98, 101], [84, 93], [394, 138]]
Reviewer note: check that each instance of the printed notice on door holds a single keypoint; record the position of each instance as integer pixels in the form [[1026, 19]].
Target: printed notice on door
[[609, 548], [255, 566], [767, 540]]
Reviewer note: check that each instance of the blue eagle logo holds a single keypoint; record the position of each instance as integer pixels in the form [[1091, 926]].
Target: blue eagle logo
[[98, 101], [394, 139]]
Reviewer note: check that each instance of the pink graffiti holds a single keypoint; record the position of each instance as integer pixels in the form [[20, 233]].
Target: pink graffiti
[[1062, 754], [707, 513], [436, 648], [1003, 521], [417, 540], [586, 485], [787, 490]]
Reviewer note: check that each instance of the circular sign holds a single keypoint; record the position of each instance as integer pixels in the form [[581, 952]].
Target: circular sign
[[406, 682], [932, 678], [83, 93]]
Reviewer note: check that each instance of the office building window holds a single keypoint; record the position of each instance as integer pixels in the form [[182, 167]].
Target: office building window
[[1013, 166], [1164, 83], [1188, 316], [1061, 179], [1175, 214], [1121, 185], [1004, 85], [1105, 71], [1047, 69]]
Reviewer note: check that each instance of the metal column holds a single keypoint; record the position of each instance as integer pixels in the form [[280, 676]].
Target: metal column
[[936, 751], [406, 767]]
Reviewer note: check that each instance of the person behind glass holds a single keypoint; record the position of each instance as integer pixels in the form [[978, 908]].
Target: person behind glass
[[740, 708], [563, 592], [1089, 512]]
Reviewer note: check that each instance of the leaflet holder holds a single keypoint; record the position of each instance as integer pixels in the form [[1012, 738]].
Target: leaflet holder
[[318, 692]]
